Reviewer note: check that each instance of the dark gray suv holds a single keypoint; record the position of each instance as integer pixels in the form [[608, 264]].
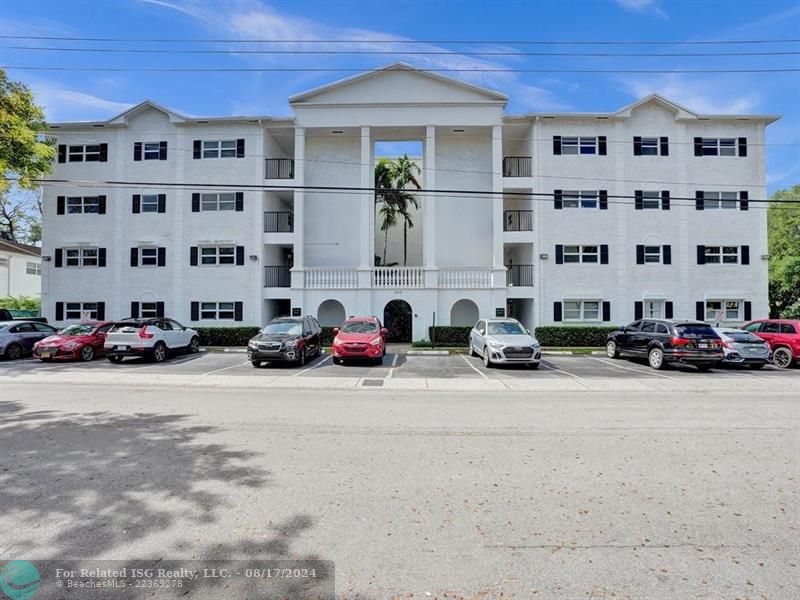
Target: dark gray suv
[[286, 339]]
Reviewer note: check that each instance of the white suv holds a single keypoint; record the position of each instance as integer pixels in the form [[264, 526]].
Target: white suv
[[152, 338]]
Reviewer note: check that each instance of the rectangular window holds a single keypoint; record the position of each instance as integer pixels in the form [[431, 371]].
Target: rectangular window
[[730, 310], [87, 153], [32, 268], [217, 310], [148, 310], [578, 145], [581, 310], [719, 146], [151, 151], [728, 255], [219, 149], [218, 255], [80, 257], [720, 200], [77, 310], [581, 254], [652, 254], [652, 309], [3, 262], [148, 257], [649, 146], [651, 199], [222, 201], [82, 204], [149, 203], [579, 199]]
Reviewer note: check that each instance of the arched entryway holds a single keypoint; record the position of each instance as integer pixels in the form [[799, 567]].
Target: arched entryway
[[397, 317], [464, 313], [330, 313]]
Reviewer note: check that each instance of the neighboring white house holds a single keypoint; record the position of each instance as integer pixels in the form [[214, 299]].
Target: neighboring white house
[[553, 218], [20, 269]]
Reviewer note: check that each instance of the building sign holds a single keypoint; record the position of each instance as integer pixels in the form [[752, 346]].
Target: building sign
[[499, 312], [296, 312]]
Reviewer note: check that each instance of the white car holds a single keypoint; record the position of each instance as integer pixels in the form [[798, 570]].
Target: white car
[[504, 341], [150, 338]]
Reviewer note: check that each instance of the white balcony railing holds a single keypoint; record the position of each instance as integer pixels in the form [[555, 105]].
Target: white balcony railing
[[331, 278], [465, 277], [398, 277]]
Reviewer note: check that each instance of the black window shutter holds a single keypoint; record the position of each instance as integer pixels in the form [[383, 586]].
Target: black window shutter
[[603, 254], [743, 146], [664, 143], [193, 256], [637, 146], [101, 257], [62, 153], [744, 200], [559, 254], [638, 200], [60, 201], [238, 310], [162, 203], [162, 257], [159, 309], [698, 200], [103, 152], [134, 310], [198, 149], [748, 310], [664, 199], [239, 255], [556, 311], [162, 150], [101, 205], [558, 199], [603, 199], [606, 310], [700, 311], [195, 311], [59, 255], [668, 309], [240, 148], [557, 145], [698, 146], [601, 145], [639, 254], [195, 202], [137, 203], [666, 254], [745, 255], [134, 257], [239, 201], [701, 254], [638, 310], [137, 151], [101, 311]]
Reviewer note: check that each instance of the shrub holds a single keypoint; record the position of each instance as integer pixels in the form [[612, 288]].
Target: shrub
[[565, 335], [226, 336], [421, 344], [442, 335], [327, 336]]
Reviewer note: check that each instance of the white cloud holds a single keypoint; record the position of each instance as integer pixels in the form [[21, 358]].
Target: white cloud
[[702, 96], [643, 6], [64, 104]]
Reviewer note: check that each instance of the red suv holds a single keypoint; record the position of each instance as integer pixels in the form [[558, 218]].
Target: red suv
[[360, 337], [783, 337]]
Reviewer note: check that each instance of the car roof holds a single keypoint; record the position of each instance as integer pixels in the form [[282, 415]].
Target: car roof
[[367, 318], [17, 322], [286, 320], [500, 320], [793, 321]]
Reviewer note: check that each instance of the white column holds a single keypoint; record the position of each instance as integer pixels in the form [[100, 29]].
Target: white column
[[497, 207], [429, 210], [366, 212], [298, 275]]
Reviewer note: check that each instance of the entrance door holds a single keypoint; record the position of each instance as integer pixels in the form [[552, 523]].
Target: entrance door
[[397, 317]]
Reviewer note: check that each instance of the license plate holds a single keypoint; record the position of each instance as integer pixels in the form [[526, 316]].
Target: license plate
[[46, 353], [702, 345], [122, 347], [752, 349]]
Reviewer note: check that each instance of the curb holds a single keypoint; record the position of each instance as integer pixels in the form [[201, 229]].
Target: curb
[[427, 352]]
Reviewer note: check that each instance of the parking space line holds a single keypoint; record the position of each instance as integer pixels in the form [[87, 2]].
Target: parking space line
[[474, 368], [546, 365], [391, 369], [226, 368], [606, 362], [312, 367]]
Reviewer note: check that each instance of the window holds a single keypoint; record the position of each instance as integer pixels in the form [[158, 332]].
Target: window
[[753, 327], [719, 147], [88, 153], [788, 328], [151, 150], [662, 329], [722, 255], [578, 145], [652, 254], [581, 254], [32, 268], [729, 308], [219, 149], [148, 257], [149, 203], [216, 310], [82, 204], [579, 199], [76, 310], [581, 310], [222, 201], [3, 262], [80, 257], [652, 309], [771, 328], [651, 199], [148, 310], [649, 146], [217, 255], [720, 200]]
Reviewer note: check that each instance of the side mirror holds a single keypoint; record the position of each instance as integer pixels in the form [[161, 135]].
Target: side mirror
[[384, 331], [335, 330]]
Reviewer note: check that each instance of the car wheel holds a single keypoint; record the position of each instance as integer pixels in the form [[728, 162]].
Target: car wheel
[[159, 352], [656, 358], [114, 359], [87, 354], [255, 363], [337, 361], [13, 351], [302, 358], [487, 360], [781, 358], [611, 349], [194, 345]]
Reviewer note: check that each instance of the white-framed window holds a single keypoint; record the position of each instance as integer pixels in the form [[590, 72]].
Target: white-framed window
[[650, 146], [581, 254], [719, 146], [220, 201], [581, 310], [217, 255], [148, 310], [727, 255], [217, 310], [720, 200], [151, 150], [579, 145], [82, 204], [580, 199], [84, 153], [148, 256], [652, 254], [149, 203], [33, 268], [75, 310], [731, 309], [219, 149], [651, 199], [80, 257], [653, 309]]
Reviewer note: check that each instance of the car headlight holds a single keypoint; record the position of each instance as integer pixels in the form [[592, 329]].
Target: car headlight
[[494, 344], [252, 344], [290, 345], [376, 342], [336, 341]]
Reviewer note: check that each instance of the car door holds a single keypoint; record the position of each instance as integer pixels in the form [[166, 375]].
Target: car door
[[26, 335], [770, 331], [477, 335], [642, 339], [183, 336], [167, 334], [44, 330], [99, 337], [309, 336], [626, 338]]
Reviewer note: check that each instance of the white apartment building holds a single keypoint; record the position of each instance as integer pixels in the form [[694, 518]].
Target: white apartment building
[[576, 218], [20, 269]]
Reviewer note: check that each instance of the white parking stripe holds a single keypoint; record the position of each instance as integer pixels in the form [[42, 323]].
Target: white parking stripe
[[391, 369], [226, 368], [473, 367], [558, 370], [312, 367], [607, 362]]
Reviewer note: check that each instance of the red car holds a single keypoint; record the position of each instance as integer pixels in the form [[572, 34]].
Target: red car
[[83, 341], [360, 337], [783, 337]]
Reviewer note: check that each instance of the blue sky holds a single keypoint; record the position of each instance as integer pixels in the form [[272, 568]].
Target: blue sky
[[83, 96]]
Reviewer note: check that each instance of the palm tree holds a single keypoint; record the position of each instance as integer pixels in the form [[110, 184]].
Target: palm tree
[[384, 195], [404, 173]]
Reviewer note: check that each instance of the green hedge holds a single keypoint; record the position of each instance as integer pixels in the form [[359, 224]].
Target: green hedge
[[327, 336], [564, 335], [449, 336], [226, 336]]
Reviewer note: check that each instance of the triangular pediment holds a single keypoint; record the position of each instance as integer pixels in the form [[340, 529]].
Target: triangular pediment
[[142, 107], [676, 109]]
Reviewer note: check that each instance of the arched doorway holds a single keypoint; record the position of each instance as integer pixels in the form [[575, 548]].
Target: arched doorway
[[330, 313], [464, 313], [397, 319]]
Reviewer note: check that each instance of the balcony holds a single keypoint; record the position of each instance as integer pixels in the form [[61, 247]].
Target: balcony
[[519, 276], [465, 277], [279, 222], [517, 166], [327, 278], [398, 277], [279, 168], [518, 220], [277, 276]]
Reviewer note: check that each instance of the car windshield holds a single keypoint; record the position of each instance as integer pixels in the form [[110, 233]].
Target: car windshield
[[695, 331], [505, 328], [742, 336], [284, 328], [359, 327], [77, 330]]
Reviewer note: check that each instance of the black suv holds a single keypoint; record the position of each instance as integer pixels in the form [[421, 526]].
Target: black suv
[[286, 339], [664, 341]]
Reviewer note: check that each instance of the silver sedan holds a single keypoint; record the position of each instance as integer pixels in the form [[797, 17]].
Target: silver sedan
[[504, 341], [743, 348]]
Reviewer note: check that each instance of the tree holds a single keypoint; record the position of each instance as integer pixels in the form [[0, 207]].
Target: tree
[[783, 226], [403, 174], [384, 195]]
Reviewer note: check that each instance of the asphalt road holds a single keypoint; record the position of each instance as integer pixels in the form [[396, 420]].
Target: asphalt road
[[668, 494]]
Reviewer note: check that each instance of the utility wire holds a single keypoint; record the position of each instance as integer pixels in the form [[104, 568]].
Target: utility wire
[[357, 70]]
